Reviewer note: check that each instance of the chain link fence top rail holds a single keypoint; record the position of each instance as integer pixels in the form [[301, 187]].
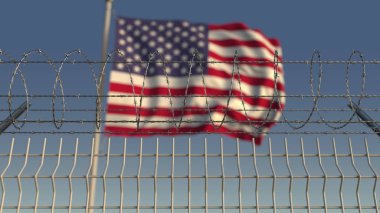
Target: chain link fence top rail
[[318, 158]]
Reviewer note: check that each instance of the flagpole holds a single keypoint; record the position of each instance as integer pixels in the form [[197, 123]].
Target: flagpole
[[97, 135]]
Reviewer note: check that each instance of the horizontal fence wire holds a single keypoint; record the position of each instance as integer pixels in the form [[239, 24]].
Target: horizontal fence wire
[[62, 108], [183, 174]]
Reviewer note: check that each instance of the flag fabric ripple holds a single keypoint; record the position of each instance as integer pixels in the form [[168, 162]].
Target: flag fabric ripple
[[155, 94]]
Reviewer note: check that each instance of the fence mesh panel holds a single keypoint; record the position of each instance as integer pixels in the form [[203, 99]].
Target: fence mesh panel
[[191, 174]]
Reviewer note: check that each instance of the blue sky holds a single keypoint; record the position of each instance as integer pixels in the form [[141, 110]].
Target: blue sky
[[335, 28]]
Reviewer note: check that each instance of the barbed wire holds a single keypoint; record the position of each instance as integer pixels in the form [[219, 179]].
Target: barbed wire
[[275, 99], [201, 110]]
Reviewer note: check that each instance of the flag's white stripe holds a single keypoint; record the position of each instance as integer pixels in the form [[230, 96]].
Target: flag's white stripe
[[119, 98], [195, 81], [263, 115], [242, 51], [242, 35], [248, 70], [129, 121]]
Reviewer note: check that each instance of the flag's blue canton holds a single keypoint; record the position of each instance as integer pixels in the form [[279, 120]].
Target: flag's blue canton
[[174, 40]]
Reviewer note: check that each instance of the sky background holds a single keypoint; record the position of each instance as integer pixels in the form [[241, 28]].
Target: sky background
[[335, 28]]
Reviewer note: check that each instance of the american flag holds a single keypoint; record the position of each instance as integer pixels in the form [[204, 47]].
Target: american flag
[[176, 77]]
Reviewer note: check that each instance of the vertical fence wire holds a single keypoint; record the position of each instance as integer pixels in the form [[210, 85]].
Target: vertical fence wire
[[3, 173], [36, 176], [206, 176], [155, 176], [138, 177], [222, 170], [71, 175], [358, 175], [122, 175], [54, 175], [341, 175], [240, 176], [257, 176], [307, 176], [291, 176], [88, 177], [105, 175], [324, 175], [189, 176], [172, 178], [19, 184], [376, 176], [274, 176]]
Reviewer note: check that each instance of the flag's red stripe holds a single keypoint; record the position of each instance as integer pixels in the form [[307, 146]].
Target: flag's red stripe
[[249, 80], [228, 26], [126, 88], [264, 62], [274, 41], [241, 26], [234, 42], [205, 128], [187, 111]]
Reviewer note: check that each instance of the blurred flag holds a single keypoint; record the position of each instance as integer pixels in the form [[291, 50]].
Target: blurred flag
[[163, 97]]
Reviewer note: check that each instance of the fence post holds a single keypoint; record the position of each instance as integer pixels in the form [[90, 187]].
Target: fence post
[[97, 136]]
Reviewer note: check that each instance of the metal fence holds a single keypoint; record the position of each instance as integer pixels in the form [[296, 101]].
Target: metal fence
[[318, 158], [185, 174]]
